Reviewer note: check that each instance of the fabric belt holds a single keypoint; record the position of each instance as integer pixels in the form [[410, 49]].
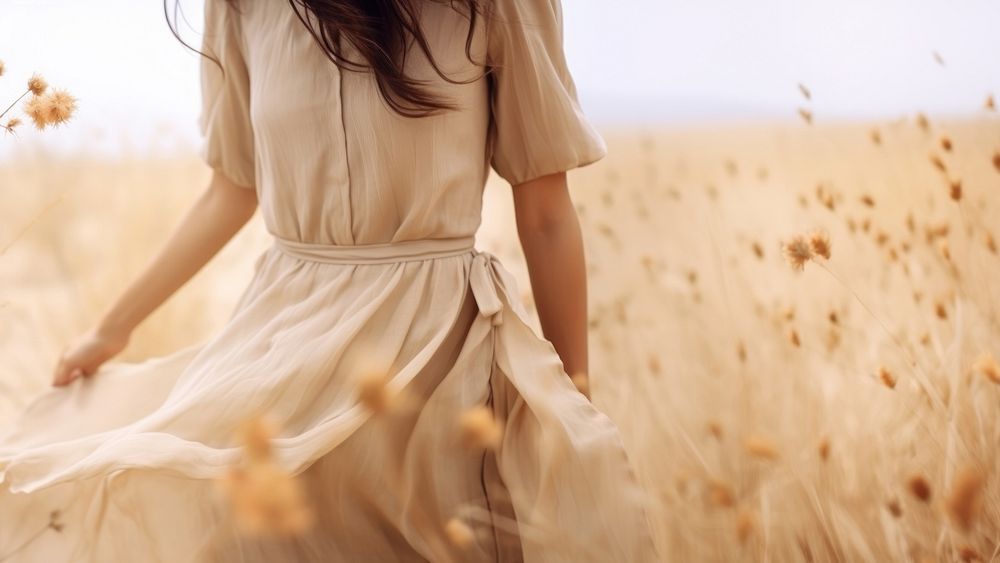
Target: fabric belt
[[484, 279]]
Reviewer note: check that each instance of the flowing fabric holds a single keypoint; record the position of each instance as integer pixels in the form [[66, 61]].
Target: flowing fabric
[[373, 217]]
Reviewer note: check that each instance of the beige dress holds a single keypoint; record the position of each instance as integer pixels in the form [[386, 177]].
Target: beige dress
[[373, 216]]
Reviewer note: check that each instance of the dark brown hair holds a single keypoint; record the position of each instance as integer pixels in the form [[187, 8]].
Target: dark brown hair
[[382, 32]]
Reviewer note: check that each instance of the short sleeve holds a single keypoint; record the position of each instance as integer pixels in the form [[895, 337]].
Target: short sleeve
[[538, 126], [228, 143]]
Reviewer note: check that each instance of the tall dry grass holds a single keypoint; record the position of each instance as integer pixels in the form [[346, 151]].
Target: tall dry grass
[[844, 412]]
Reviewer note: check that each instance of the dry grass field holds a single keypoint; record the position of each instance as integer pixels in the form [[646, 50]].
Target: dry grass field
[[845, 412]]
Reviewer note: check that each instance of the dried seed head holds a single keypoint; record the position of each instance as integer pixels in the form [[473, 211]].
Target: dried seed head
[[945, 250], [990, 103], [797, 252], [721, 493], [940, 311], [255, 435], [894, 508], [938, 163], [12, 124], [479, 429], [824, 448], [2, 68], [946, 143], [955, 190], [267, 500], [805, 91], [761, 448], [758, 250], [37, 85], [964, 500], [987, 365], [60, 106], [806, 115], [459, 534], [968, 554], [991, 243], [374, 392], [923, 122], [715, 429], [886, 377], [919, 487], [793, 338], [819, 242], [876, 136], [996, 160], [35, 109], [868, 200]]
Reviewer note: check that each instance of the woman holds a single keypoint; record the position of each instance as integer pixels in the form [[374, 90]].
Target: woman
[[368, 168]]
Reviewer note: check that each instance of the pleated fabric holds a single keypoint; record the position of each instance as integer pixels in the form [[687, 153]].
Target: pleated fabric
[[373, 217]]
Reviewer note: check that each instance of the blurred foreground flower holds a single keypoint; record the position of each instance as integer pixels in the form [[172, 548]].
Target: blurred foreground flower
[[45, 107], [266, 500]]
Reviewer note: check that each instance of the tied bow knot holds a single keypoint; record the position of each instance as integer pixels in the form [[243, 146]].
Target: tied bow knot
[[484, 281]]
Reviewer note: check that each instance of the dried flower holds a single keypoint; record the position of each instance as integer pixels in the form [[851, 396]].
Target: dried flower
[[824, 448], [760, 447], [955, 189], [987, 365], [793, 338], [919, 487], [820, 244], [806, 115], [876, 136], [265, 499], [374, 391], [479, 429], [805, 91], [923, 122], [721, 493], [946, 143], [797, 252], [886, 377], [459, 534], [37, 85], [12, 124], [937, 162], [53, 108]]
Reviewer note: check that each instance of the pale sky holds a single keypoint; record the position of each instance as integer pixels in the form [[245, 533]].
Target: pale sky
[[637, 61]]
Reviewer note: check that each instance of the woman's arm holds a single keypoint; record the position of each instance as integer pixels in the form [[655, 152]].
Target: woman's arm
[[549, 231], [218, 214]]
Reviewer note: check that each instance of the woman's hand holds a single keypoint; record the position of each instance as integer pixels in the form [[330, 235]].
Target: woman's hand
[[86, 354]]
